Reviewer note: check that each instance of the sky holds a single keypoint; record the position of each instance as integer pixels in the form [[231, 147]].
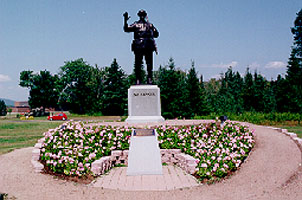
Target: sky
[[215, 34]]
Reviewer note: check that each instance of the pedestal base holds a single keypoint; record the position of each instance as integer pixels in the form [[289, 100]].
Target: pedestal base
[[144, 156], [144, 119], [144, 104]]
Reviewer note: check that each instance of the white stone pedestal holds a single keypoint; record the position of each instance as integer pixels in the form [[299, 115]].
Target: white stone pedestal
[[144, 104], [144, 156]]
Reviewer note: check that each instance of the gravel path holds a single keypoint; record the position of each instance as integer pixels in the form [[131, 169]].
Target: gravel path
[[272, 171]]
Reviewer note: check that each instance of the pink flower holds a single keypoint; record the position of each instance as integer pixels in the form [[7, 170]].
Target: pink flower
[[92, 155], [225, 166], [204, 165]]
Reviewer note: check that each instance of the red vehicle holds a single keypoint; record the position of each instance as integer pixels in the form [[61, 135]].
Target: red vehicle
[[59, 116]]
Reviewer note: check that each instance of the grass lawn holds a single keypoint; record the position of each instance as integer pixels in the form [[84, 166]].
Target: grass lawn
[[294, 129], [17, 134]]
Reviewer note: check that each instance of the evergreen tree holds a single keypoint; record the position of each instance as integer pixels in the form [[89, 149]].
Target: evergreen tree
[[204, 108], [173, 92], [3, 111], [297, 32], [280, 88], [115, 90], [258, 86], [269, 99], [248, 91], [196, 96], [96, 86], [230, 93], [212, 88], [294, 68]]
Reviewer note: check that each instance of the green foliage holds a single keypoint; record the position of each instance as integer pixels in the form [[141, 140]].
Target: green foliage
[[132, 77], [294, 68], [173, 91], [80, 87], [195, 94], [212, 88], [3, 111], [115, 90], [297, 32], [229, 96], [271, 118], [43, 88]]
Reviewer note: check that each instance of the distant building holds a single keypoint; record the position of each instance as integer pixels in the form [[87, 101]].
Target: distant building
[[21, 106]]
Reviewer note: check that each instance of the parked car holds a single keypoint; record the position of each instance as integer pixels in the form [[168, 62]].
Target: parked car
[[59, 116]]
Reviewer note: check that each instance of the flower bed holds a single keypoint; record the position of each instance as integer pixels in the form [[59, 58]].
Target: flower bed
[[219, 150], [73, 147]]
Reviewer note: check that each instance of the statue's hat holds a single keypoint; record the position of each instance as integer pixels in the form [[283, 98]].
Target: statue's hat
[[142, 13]]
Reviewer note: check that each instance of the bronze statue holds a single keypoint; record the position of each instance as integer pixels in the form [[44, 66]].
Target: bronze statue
[[143, 44]]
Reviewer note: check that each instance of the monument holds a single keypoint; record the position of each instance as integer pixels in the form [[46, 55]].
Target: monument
[[143, 100]]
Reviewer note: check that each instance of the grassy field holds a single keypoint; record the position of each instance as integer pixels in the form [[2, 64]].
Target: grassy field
[[75, 117], [294, 129], [16, 133]]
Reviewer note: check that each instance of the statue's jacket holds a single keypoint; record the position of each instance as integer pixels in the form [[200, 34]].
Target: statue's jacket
[[144, 34]]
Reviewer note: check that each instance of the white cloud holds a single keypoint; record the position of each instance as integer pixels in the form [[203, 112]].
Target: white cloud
[[222, 65], [275, 65], [217, 76], [254, 66], [4, 78]]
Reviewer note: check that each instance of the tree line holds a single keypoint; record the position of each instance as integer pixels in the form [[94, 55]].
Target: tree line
[[82, 88], [85, 89]]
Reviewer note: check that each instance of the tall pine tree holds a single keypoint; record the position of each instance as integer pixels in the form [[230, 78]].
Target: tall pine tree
[[115, 90], [294, 68], [195, 93], [172, 91]]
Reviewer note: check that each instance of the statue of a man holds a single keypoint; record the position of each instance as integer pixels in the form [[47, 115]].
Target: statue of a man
[[143, 44]]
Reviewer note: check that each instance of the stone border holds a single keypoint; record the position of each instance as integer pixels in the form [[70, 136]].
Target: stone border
[[38, 167], [168, 156]]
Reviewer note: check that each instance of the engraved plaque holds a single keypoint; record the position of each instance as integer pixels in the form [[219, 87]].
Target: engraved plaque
[[144, 132]]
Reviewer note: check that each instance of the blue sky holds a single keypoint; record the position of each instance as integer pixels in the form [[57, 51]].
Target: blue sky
[[42, 34]]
